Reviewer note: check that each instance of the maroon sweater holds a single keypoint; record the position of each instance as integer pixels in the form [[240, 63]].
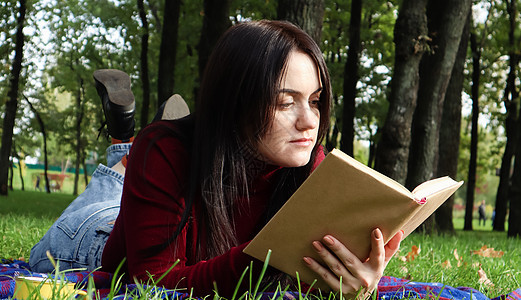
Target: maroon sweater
[[151, 208]]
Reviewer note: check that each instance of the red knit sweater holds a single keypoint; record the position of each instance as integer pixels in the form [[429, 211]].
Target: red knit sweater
[[151, 208]]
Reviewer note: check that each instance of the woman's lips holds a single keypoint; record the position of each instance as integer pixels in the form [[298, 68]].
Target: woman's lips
[[302, 142]]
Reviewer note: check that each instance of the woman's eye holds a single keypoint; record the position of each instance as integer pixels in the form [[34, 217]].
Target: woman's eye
[[285, 105], [314, 103]]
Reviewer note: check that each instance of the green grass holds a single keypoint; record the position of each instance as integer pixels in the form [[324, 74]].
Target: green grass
[[26, 216]]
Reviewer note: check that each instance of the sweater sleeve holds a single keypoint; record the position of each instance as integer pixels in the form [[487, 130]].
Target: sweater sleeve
[[151, 210]]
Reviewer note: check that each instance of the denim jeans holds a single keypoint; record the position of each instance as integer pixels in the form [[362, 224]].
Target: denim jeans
[[78, 236]]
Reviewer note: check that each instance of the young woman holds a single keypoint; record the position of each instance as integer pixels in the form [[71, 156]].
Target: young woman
[[198, 189]]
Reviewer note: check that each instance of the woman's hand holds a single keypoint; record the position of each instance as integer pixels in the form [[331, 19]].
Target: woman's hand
[[358, 278]]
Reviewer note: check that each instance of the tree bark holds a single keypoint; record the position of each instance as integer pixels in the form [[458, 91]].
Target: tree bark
[[514, 194], [471, 181], [84, 166], [168, 51], [11, 105], [44, 136], [215, 22], [510, 99], [308, 14], [446, 21], [21, 174], [450, 131], [351, 78], [79, 147], [11, 169], [145, 81], [409, 38]]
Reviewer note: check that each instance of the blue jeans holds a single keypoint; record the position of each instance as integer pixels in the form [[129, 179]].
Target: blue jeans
[[79, 235]]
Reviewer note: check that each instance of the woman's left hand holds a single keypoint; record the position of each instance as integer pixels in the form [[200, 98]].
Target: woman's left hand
[[358, 278]]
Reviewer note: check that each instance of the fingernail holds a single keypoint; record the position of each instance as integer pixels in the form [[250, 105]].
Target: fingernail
[[329, 241], [307, 260], [317, 246], [377, 234]]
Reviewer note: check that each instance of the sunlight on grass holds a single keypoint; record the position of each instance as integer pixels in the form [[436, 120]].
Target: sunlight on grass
[[26, 216]]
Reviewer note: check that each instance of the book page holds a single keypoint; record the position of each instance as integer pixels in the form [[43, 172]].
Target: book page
[[435, 192], [432, 186]]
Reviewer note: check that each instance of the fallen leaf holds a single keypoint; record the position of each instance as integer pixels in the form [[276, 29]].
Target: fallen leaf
[[415, 250], [446, 264], [488, 252], [483, 279], [455, 252]]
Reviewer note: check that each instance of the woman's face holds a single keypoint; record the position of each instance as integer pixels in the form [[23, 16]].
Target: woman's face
[[293, 132]]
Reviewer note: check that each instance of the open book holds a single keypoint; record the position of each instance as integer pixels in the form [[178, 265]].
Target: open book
[[346, 199]]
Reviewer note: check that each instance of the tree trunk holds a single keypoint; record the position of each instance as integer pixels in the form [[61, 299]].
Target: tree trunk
[[215, 22], [308, 14], [21, 173], [168, 51], [145, 82], [446, 21], [471, 181], [351, 78], [84, 165], [514, 194], [11, 171], [12, 102], [79, 119], [510, 99], [450, 131], [409, 32], [44, 136]]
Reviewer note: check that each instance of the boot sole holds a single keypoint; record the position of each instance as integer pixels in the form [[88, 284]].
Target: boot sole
[[117, 85], [175, 108]]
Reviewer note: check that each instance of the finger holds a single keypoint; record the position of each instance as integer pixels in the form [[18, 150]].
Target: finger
[[343, 256], [334, 264], [393, 245], [377, 255], [325, 273]]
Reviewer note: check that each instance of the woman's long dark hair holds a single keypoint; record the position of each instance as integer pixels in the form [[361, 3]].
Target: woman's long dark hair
[[238, 96], [237, 99]]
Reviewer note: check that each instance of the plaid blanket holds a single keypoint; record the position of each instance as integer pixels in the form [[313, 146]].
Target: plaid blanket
[[389, 288]]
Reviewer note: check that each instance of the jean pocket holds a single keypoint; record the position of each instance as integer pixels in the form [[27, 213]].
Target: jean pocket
[[80, 220], [98, 243]]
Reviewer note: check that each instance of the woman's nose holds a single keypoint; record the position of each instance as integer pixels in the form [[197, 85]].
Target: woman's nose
[[307, 118]]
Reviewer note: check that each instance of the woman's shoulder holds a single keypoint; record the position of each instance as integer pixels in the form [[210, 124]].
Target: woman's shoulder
[[167, 132]]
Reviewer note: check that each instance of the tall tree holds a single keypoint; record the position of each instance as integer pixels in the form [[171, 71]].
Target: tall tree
[[450, 131], [308, 14], [510, 100], [168, 51], [446, 21], [145, 81], [12, 103], [351, 78], [80, 95], [471, 180], [514, 193], [410, 38], [44, 136], [215, 22]]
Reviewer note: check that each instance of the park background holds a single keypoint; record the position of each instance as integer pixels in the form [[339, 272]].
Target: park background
[[421, 89]]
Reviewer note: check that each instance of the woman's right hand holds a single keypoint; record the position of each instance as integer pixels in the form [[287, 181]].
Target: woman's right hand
[[342, 270]]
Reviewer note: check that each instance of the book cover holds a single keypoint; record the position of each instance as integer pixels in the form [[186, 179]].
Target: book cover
[[346, 199]]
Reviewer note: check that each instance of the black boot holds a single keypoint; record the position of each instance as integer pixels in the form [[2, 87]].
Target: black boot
[[113, 87]]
